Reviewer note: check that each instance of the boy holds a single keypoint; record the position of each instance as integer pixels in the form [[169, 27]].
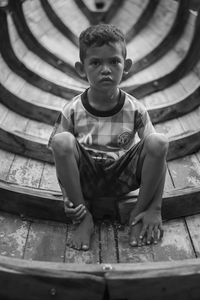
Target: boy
[[95, 154]]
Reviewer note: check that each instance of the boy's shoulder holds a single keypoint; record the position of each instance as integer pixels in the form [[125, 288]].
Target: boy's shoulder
[[132, 103], [72, 105]]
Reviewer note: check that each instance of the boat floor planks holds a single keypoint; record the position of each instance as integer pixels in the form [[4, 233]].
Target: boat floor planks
[[193, 224], [48, 241], [13, 235]]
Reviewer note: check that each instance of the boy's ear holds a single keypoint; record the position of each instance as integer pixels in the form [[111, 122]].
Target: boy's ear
[[80, 69], [127, 65]]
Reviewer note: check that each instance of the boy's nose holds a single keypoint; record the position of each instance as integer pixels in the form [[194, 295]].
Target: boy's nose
[[105, 69]]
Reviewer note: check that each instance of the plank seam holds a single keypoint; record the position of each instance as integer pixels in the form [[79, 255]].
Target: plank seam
[[190, 237]]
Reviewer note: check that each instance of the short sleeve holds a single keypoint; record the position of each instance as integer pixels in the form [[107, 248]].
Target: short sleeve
[[64, 122], [143, 124]]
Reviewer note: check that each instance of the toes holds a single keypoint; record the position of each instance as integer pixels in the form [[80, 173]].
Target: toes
[[85, 247], [133, 240], [74, 244]]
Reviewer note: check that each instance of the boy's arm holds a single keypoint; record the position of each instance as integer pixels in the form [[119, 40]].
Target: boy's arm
[[143, 124], [149, 212]]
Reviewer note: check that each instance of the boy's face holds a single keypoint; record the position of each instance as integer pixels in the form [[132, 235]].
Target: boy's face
[[104, 66]]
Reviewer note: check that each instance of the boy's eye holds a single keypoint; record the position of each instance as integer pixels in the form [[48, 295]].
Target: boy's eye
[[115, 61], [95, 62]]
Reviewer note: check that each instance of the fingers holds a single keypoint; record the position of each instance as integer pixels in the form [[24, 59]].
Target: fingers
[[143, 231], [151, 234], [76, 213], [137, 219], [161, 231], [155, 235]]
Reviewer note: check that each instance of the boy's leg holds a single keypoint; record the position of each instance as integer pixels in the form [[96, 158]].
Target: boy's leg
[[152, 166], [66, 160]]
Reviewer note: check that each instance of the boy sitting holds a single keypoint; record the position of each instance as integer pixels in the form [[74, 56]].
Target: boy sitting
[[95, 154]]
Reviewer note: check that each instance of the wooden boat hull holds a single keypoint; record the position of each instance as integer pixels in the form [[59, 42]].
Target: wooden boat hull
[[36, 280]]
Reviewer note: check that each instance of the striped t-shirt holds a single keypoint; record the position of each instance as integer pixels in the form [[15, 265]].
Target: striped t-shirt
[[107, 133]]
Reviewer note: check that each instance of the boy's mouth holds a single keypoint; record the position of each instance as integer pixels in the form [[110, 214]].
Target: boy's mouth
[[106, 79]]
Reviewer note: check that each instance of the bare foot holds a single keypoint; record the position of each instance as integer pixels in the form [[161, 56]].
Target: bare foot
[[82, 235], [134, 237]]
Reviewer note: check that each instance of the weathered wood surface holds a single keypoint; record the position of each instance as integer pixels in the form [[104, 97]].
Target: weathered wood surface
[[150, 83], [185, 66], [161, 39], [96, 17], [45, 107], [33, 44], [48, 205], [47, 241], [37, 64], [36, 147], [22, 70], [58, 23], [177, 283], [44, 285]]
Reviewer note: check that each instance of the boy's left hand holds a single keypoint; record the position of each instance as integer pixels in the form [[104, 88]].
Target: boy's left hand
[[152, 225]]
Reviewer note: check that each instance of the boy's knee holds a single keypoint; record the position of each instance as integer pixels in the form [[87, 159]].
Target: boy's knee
[[63, 143], [157, 145]]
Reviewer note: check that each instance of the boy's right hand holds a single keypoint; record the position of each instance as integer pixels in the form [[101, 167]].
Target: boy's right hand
[[74, 213]]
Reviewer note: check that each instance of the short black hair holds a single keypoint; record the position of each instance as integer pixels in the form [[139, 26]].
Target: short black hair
[[99, 35]]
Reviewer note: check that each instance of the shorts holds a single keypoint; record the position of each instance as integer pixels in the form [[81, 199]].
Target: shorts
[[112, 178]]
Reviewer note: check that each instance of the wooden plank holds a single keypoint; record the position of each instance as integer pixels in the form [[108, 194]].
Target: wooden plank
[[108, 242], [6, 160], [25, 172], [49, 179], [190, 122], [185, 172], [193, 223], [46, 285], [48, 36], [176, 203], [35, 63], [13, 234], [46, 241], [176, 283], [25, 144], [69, 13], [168, 182], [14, 122], [31, 202], [176, 244], [128, 254], [39, 129], [83, 257]]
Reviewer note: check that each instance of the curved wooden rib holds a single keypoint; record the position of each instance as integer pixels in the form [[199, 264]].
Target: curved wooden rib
[[36, 147], [42, 113], [148, 85], [181, 70], [97, 17], [44, 204], [57, 22], [28, 145], [143, 62], [36, 64], [33, 44], [168, 112], [143, 20], [48, 114], [167, 43], [19, 68]]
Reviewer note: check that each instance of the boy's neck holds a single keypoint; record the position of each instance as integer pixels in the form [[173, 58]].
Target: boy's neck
[[103, 100]]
